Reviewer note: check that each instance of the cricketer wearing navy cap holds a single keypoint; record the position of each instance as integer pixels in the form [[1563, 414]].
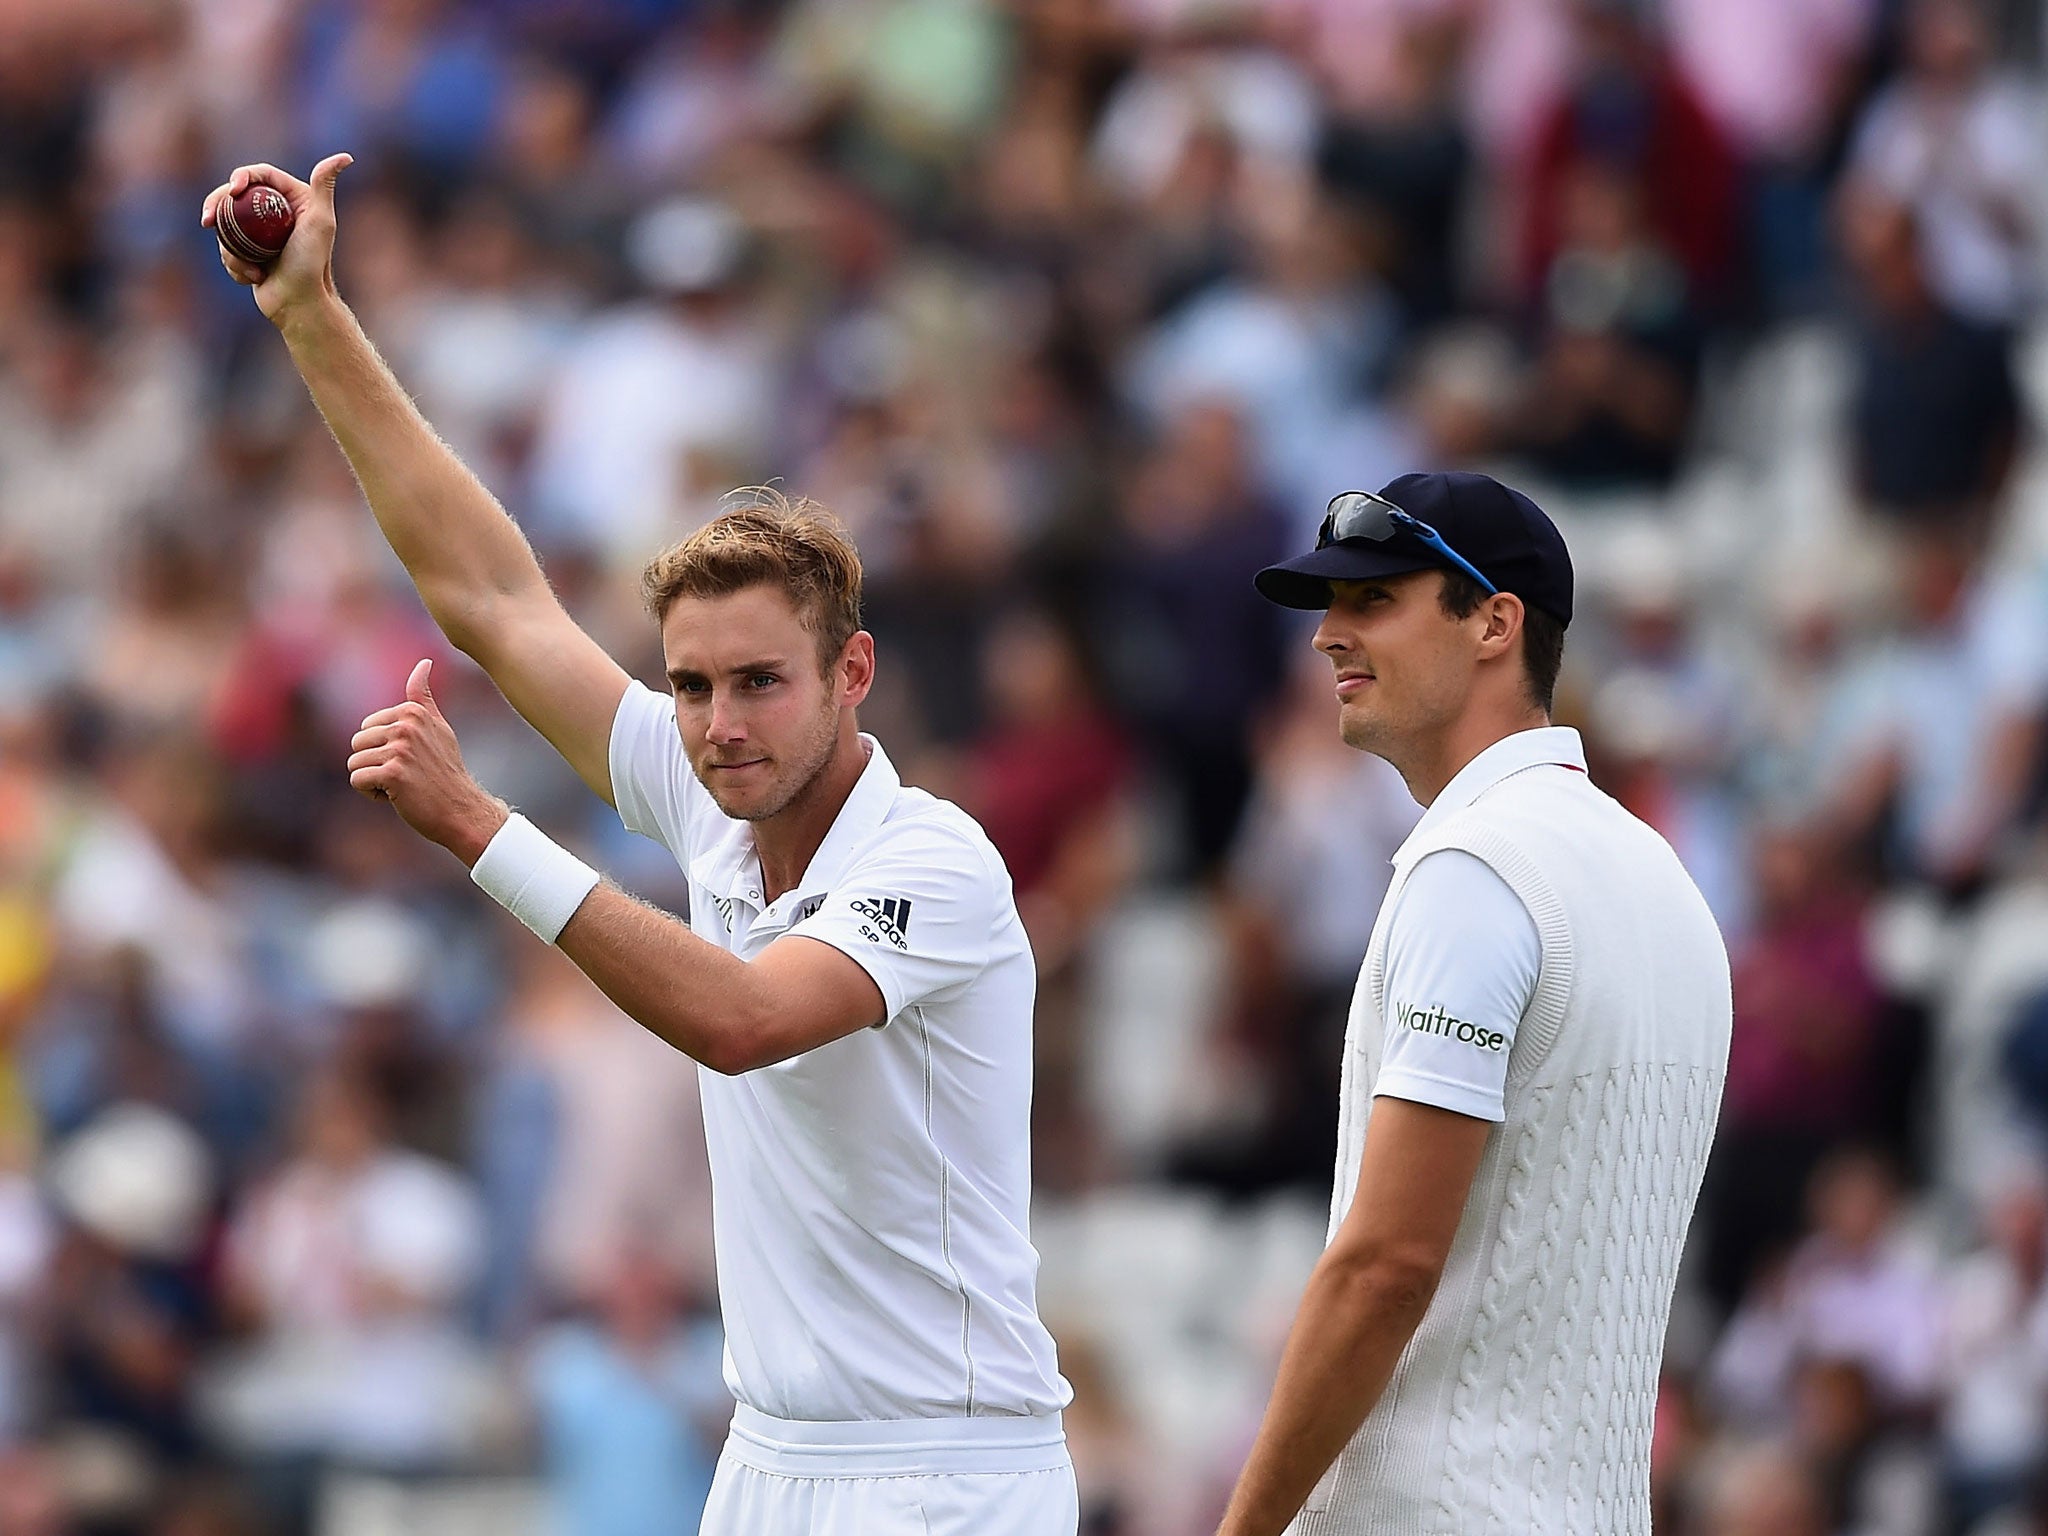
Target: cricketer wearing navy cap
[[1532, 1065], [1460, 521]]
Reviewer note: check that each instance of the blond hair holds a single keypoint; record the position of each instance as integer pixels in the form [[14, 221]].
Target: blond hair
[[765, 537]]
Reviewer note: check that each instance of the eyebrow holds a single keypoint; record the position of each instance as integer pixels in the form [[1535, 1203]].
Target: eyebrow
[[744, 669]]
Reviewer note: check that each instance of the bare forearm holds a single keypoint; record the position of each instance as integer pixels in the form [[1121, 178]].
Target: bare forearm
[[699, 998], [461, 548], [1353, 1324]]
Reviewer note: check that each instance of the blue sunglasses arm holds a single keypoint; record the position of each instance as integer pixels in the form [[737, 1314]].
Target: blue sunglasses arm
[[1435, 541]]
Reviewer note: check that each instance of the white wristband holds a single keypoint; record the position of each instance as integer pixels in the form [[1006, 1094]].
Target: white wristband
[[533, 877]]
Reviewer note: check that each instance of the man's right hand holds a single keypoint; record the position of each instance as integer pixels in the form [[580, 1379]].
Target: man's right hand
[[304, 274], [473, 567]]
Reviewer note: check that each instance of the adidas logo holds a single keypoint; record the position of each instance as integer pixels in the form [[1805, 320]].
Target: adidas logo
[[887, 919]]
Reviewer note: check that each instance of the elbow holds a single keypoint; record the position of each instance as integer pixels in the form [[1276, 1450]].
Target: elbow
[[477, 619], [1390, 1282], [740, 1040], [725, 1060], [465, 624], [729, 1050]]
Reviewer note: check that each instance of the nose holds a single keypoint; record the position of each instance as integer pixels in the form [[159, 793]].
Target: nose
[[1327, 640], [727, 724]]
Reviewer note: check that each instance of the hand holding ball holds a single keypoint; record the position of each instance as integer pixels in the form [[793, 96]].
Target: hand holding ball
[[275, 235], [254, 224]]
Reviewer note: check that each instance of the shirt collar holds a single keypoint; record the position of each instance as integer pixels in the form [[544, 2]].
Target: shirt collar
[[728, 867], [1548, 744]]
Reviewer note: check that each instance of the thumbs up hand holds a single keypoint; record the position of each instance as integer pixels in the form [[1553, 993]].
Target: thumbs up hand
[[408, 754]]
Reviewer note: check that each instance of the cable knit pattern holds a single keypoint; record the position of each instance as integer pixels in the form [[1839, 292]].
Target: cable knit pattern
[[1503, 1515], [1523, 1405], [1522, 1174], [1472, 1363], [1550, 1413]]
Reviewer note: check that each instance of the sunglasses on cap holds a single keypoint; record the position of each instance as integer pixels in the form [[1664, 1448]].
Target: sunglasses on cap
[[1370, 516]]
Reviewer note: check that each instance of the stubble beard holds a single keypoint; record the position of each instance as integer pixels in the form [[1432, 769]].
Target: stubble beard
[[797, 779], [1386, 728], [1362, 731], [1396, 738]]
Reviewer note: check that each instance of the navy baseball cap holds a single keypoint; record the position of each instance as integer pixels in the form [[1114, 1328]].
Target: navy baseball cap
[[1502, 533]]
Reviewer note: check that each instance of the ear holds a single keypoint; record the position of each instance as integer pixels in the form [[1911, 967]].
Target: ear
[[1503, 613], [855, 671]]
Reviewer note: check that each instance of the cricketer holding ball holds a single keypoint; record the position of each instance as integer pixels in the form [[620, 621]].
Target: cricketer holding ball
[[853, 973], [1532, 1068]]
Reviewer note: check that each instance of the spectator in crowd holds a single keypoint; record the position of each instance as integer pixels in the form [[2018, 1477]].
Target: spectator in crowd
[[1616, 338], [1959, 139], [913, 84], [1874, 1476], [1403, 160], [1662, 718], [142, 881], [1857, 1289], [420, 79], [1951, 740], [631, 1405], [27, 1241], [1994, 1423], [616, 1160], [130, 1311], [1766, 1492], [1285, 343], [1936, 412], [700, 87], [488, 333], [1627, 110], [1780, 80], [662, 400], [174, 623], [1201, 137], [1400, 154], [1817, 624], [1311, 863], [88, 446], [1803, 1062], [348, 1267], [1050, 782], [1199, 650]]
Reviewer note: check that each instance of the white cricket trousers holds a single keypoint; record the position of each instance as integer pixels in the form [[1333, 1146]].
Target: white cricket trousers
[[1007, 1476]]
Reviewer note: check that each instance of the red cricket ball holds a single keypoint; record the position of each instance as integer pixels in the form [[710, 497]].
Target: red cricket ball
[[254, 224]]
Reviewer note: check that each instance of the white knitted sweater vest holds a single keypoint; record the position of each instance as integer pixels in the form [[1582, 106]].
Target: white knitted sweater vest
[[1523, 1404]]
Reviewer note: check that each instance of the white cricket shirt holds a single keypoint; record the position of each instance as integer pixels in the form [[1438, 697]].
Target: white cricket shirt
[[1463, 957], [869, 1197]]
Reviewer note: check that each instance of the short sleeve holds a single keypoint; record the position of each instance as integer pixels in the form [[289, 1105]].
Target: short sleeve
[[917, 913], [656, 792], [1463, 956]]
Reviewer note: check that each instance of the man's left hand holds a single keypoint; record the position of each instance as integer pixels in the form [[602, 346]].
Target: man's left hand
[[408, 754]]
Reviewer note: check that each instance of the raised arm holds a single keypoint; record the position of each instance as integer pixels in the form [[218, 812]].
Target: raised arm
[[472, 565]]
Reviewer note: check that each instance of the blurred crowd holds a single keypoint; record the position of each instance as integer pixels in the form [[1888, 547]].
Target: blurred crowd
[[329, 1201]]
